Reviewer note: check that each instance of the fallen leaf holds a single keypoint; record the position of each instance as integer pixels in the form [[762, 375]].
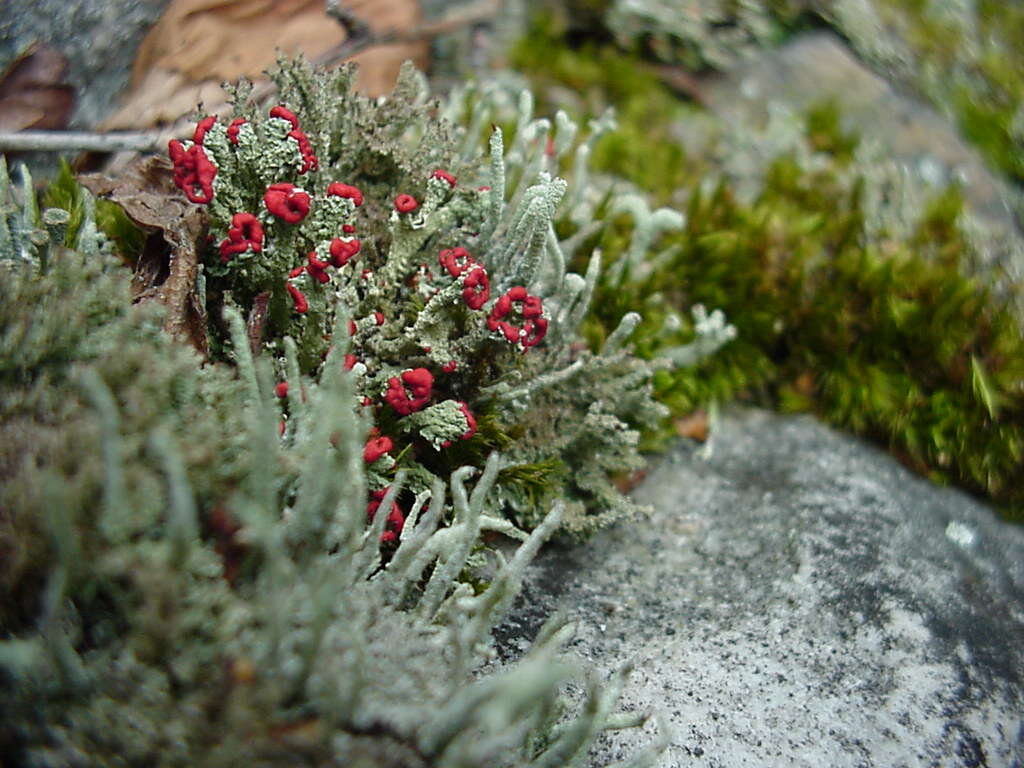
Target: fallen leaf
[[804, 384], [695, 426], [167, 269], [199, 44], [626, 482], [33, 92]]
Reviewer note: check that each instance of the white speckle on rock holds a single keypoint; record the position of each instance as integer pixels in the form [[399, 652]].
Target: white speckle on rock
[[960, 534]]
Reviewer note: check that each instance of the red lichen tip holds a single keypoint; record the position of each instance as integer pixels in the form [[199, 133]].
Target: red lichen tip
[[406, 203], [234, 128], [348, 229], [194, 172], [456, 260], [202, 128], [301, 305], [309, 160], [317, 269], [409, 392], [444, 176], [342, 251], [284, 113], [350, 361], [346, 190], [476, 288], [396, 517], [450, 366], [529, 308], [287, 202], [281, 389], [376, 447], [246, 233], [470, 422]]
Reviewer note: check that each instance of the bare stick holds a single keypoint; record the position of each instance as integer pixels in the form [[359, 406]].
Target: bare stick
[[74, 141]]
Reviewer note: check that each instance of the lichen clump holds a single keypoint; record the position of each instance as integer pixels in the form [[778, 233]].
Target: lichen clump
[[460, 312], [277, 553]]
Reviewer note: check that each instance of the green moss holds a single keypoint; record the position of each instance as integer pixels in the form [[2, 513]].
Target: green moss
[[66, 193], [643, 150], [885, 337], [876, 337]]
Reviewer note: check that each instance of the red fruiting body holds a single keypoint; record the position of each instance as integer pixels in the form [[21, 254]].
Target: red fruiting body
[[202, 127], [483, 189], [309, 161], [476, 288], [246, 232], [194, 172], [234, 128], [530, 308], [348, 229], [280, 428], [378, 317], [409, 392], [396, 518], [455, 260], [549, 148], [346, 190], [367, 400], [440, 174], [450, 366], [375, 448], [297, 271], [301, 305], [352, 328], [342, 251], [317, 269], [406, 203], [350, 362], [281, 390], [285, 114], [286, 202], [470, 422]]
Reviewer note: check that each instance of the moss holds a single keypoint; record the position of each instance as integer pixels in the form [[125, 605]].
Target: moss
[[883, 336], [643, 150], [66, 193]]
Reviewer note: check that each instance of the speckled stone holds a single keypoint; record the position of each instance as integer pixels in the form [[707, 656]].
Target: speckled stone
[[98, 37], [800, 599]]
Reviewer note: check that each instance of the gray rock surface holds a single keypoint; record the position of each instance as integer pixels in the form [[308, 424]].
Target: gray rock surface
[[98, 37], [800, 599], [818, 66], [909, 152]]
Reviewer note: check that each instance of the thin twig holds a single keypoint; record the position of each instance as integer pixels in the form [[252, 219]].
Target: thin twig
[[79, 141]]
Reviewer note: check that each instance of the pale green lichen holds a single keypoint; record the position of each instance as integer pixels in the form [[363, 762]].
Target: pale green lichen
[[185, 584], [183, 587]]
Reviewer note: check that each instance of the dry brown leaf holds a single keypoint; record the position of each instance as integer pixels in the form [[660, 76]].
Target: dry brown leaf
[[167, 269], [198, 44], [33, 92], [805, 384], [694, 426]]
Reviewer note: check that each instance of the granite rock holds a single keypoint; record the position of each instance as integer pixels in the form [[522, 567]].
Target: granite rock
[[99, 38], [798, 598], [908, 151]]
